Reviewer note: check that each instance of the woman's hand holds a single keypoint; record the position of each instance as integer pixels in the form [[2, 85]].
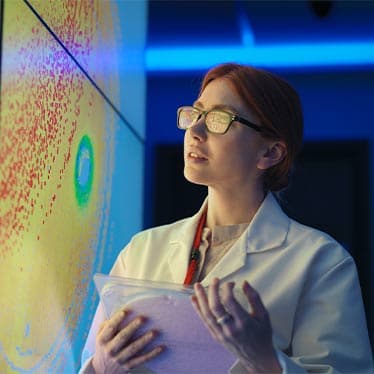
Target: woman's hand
[[248, 334], [117, 351]]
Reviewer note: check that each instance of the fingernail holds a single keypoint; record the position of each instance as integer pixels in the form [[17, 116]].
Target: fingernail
[[152, 334], [140, 320], [246, 284], [161, 348]]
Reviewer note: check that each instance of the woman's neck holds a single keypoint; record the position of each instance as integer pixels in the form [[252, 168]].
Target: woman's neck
[[227, 207]]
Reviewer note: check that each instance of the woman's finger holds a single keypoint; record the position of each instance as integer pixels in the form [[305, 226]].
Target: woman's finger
[[214, 300], [202, 300], [195, 304], [125, 334], [110, 328], [135, 361], [258, 309], [234, 308], [201, 305], [136, 346]]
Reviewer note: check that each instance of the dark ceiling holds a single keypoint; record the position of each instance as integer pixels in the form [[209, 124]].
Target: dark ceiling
[[233, 22]]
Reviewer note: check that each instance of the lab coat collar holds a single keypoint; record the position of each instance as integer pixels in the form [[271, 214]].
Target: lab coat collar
[[267, 230]]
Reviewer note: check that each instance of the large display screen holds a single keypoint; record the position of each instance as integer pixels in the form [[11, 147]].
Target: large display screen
[[71, 165]]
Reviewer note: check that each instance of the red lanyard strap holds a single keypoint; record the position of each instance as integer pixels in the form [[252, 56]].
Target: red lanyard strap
[[195, 253]]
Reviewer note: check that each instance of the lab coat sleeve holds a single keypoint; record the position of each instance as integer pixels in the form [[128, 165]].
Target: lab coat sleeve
[[330, 332], [99, 318], [89, 347]]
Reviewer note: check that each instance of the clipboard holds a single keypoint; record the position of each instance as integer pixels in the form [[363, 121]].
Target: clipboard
[[189, 346]]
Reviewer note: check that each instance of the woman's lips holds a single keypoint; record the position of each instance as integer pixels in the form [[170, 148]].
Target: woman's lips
[[194, 156]]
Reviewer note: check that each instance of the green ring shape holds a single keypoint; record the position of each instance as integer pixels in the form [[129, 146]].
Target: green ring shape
[[84, 171]]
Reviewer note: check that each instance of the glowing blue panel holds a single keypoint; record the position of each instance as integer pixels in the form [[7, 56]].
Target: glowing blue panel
[[271, 56]]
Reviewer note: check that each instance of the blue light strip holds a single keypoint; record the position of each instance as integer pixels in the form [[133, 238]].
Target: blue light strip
[[271, 56]]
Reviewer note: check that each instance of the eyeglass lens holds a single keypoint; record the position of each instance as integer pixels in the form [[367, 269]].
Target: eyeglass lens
[[216, 121]]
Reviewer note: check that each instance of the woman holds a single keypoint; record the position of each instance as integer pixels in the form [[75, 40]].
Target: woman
[[305, 310]]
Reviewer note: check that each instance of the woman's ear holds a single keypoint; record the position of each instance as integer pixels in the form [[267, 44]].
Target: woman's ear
[[274, 153]]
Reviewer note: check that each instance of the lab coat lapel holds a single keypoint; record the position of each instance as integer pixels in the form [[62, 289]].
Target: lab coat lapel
[[233, 260], [267, 230]]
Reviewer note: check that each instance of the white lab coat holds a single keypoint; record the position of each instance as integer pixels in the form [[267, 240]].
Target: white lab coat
[[306, 280]]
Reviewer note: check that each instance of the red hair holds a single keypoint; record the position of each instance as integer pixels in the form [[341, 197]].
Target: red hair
[[276, 104]]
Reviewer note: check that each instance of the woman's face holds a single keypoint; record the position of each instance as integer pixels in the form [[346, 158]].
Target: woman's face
[[224, 161]]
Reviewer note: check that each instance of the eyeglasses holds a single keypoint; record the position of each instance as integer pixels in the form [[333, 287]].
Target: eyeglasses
[[217, 121]]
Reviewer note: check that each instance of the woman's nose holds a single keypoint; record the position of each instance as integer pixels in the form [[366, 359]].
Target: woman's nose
[[198, 131]]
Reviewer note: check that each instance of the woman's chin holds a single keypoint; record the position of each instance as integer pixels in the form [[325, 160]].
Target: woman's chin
[[196, 178]]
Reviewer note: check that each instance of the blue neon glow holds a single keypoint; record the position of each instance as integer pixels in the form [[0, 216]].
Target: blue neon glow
[[273, 56], [246, 31]]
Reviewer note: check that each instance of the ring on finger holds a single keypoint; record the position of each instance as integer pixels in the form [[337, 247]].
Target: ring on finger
[[224, 319]]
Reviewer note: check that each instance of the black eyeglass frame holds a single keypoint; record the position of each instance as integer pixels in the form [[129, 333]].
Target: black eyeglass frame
[[233, 117]]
